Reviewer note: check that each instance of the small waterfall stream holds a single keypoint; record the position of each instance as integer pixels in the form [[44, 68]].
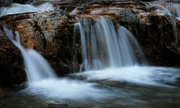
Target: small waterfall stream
[[42, 79], [37, 68], [173, 7], [110, 52], [114, 72], [105, 46]]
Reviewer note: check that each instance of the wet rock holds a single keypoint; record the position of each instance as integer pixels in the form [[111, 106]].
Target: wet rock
[[159, 39], [24, 24], [156, 31], [11, 63], [51, 33]]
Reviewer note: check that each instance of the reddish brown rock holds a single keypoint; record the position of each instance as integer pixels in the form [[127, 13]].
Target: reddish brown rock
[[49, 33]]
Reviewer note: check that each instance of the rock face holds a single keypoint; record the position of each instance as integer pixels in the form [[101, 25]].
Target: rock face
[[11, 63], [159, 39], [51, 33], [156, 31]]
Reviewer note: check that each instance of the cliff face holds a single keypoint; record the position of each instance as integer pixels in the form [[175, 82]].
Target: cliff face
[[51, 33]]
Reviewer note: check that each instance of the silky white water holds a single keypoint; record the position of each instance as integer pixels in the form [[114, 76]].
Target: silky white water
[[16, 8], [146, 75], [104, 46], [171, 7], [112, 53], [36, 67], [68, 89], [43, 81]]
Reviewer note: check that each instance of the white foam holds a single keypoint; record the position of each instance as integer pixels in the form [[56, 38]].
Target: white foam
[[178, 18], [135, 74], [66, 89], [43, 81]]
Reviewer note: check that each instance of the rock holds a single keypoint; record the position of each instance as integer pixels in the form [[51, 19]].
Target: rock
[[51, 33], [11, 63], [50, 102], [7, 2], [159, 38], [24, 25], [156, 31]]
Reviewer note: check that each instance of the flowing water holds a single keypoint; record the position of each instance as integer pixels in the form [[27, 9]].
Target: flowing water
[[119, 51], [103, 46], [37, 68], [114, 73], [172, 7], [43, 81]]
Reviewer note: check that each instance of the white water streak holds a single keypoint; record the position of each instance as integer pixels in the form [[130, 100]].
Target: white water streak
[[172, 8], [37, 68], [43, 81], [105, 46]]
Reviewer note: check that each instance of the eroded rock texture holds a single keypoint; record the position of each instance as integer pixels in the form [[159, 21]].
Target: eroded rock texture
[[51, 33]]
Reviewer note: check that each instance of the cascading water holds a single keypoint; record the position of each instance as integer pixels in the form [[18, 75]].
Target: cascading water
[[42, 80], [104, 46], [36, 66], [112, 53], [173, 7]]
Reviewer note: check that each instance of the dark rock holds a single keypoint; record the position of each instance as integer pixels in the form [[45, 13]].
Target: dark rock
[[8, 2], [159, 39], [11, 63], [51, 33]]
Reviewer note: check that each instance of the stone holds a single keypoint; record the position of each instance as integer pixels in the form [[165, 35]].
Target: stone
[[8, 2], [11, 63], [51, 33]]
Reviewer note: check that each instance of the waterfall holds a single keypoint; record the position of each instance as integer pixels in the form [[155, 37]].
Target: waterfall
[[43, 81], [105, 45], [173, 7], [37, 68], [110, 52]]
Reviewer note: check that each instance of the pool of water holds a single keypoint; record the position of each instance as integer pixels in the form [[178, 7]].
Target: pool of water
[[80, 91]]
